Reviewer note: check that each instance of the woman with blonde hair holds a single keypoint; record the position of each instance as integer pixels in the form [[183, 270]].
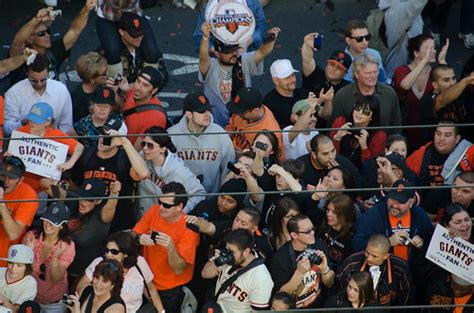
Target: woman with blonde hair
[[92, 69]]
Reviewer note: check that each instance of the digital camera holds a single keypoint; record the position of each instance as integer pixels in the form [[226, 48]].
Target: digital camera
[[313, 258], [226, 257]]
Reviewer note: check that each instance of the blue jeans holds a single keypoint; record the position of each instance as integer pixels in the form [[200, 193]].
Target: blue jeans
[[111, 42]]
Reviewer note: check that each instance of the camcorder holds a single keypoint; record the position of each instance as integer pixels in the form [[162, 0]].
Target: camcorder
[[225, 257]]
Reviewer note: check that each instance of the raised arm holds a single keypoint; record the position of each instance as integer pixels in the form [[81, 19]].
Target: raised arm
[[307, 54], [21, 37], [204, 58], [78, 25], [266, 48]]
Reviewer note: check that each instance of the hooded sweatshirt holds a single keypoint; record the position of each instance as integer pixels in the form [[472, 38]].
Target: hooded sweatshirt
[[173, 170], [205, 155], [400, 16]]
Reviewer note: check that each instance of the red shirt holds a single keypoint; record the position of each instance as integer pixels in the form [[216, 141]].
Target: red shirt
[[139, 123]]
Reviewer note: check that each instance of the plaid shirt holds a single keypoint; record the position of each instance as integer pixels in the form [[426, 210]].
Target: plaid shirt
[[112, 9]]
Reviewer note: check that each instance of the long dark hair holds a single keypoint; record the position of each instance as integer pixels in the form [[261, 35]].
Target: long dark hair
[[273, 158], [449, 211], [127, 245], [366, 287], [345, 212], [160, 136], [64, 233], [283, 206]]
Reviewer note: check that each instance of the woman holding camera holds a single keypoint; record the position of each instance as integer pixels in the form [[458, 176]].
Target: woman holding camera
[[103, 296], [138, 277], [53, 252], [360, 145]]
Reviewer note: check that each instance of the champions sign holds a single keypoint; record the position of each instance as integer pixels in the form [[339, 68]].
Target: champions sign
[[452, 253], [41, 156], [232, 21]]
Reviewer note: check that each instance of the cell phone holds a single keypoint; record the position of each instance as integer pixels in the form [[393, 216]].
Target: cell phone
[[318, 41], [55, 13], [117, 79], [269, 38], [67, 300], [153, 235], [355, 132], [261, 146], [106, 141], [193, 227], [232, 168]]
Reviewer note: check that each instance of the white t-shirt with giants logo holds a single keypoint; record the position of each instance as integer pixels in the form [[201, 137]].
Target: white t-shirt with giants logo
[[253, 288]]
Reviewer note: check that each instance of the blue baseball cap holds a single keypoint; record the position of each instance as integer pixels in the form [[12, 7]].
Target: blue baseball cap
[[40, 113]]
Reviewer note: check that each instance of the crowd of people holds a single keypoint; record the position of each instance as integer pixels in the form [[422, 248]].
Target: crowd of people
[[247, 202]]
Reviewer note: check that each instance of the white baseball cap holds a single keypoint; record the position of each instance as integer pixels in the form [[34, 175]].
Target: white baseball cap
[[19, 254], [282, 68]]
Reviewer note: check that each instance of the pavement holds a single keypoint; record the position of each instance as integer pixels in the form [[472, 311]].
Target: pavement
[[173, 29]]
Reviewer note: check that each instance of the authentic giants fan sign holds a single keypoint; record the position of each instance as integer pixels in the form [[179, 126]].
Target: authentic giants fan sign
[[41, 156], [452, 253], [232, 21]]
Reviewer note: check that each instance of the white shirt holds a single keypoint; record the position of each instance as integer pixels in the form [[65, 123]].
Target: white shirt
[[20, 291], [132, 288], [21, 97], [297, 147], [252, 288]]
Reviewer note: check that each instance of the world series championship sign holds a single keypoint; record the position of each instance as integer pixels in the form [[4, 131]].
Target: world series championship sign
[[232, 21], [452, 254], [41, 156]]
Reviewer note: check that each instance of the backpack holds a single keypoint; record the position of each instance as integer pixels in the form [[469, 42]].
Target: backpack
[[376, 27]]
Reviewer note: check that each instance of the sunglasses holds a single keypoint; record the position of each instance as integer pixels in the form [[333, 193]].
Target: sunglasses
[[36, 81], [166, 205], [307, 232], [43, 32], [361, 38], [112, 251], [42, 274], [363, 108], [149, 145]]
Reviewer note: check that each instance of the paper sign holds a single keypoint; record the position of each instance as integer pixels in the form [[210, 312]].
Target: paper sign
[[41, 156], [454, 254], [232, 21]]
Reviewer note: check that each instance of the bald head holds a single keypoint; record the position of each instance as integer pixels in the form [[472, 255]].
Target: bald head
[[380, 242]]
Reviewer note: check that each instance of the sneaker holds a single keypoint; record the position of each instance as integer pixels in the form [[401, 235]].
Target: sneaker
[[469, 41]]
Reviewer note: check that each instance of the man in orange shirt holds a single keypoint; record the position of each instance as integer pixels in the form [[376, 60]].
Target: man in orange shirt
[[142, 108], [15, 216], [249, 114], [169, 246]]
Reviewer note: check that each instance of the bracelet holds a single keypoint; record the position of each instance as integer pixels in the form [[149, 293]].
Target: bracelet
[[324, 273]]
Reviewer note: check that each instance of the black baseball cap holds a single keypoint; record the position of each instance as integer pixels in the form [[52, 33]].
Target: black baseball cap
[[196, 101], [401, 193], [92, 188], [341, 58], [157, 78], [12, 167], [132, 23], [104, 95], [220, 46], [247, 98], [235, 185], [56, 213]]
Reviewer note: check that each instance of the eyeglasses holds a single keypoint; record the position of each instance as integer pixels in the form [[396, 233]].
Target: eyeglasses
[[307, 232], [42, 274], [363, 108], [149, 145], [112, 251], [36, 81], [361, 38], [166, 205], [43, 32]]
